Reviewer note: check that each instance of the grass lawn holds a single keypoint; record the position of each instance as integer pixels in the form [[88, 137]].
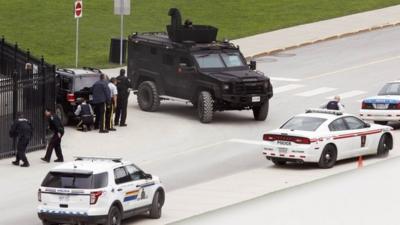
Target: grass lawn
[[47, 27]]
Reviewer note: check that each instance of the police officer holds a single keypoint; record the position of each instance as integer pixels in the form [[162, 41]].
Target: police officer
[[57, 128], [111, 107], [101, 97], [85, 112], [124, 85], [21, 129], [334, 104]]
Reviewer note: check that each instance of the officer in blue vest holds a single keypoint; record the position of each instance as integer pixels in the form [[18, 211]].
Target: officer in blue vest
[[85, 113]]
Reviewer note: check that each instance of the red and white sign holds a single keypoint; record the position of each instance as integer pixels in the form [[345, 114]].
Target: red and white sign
[[78, 9]]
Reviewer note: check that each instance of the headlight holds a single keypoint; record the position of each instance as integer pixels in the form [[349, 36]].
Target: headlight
[[225, 86]]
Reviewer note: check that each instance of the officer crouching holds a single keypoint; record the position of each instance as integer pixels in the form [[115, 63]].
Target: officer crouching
[[85, 113]]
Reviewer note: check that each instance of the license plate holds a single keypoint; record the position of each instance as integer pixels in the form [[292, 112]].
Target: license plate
[[63, 198], [381, 106], [282, 150], [255, 99], [284, 142]]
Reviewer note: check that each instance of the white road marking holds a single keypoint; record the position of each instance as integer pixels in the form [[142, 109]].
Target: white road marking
[[353, 67], [288, 87], [317, 91], [348, 94], [250, 142], [284, 79]]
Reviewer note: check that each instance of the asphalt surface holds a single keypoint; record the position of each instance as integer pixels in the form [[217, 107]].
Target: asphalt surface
[[174, 145]]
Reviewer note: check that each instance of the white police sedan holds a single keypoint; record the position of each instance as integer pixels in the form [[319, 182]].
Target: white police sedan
[[325, 136], [385, 106]]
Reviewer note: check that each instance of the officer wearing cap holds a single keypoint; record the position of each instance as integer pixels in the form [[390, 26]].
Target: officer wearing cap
[[123, 85], [21, 129]]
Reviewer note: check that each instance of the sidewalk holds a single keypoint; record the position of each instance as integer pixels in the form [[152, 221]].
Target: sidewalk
[[292, 37]]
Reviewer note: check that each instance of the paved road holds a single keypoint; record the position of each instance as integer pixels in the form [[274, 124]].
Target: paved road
[[174, 145]]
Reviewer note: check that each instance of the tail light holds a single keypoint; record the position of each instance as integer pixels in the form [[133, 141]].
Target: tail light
[[268, 137], [364, 105], [39, 195], [94, 196], [398, 106], [301, 140], [71, 97], [297, 140]]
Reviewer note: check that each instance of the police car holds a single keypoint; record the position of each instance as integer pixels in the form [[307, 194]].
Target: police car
[[93, 190], [325, 136], [385, 106]]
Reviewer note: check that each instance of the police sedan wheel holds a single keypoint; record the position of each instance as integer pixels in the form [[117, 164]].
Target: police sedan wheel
[[328, 157]]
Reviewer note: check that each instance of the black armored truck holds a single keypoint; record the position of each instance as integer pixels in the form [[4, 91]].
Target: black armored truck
[[188, 64]]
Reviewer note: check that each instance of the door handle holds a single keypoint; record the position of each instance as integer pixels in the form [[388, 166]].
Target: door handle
[[119, 189]]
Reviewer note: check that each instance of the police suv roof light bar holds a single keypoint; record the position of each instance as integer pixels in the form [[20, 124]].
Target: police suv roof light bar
[[92, 158], [326, 111]]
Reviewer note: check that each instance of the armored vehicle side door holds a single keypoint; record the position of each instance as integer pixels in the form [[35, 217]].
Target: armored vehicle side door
[[185, 76], [169, 74]]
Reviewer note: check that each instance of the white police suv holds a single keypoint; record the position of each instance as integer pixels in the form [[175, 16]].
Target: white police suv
[[325, 136], [93, 190], [385, 106]]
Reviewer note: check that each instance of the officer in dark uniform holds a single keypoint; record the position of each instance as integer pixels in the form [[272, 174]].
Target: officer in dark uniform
[[21, 129], [334, 104], [123, 85], [101, 98], [57, 128]]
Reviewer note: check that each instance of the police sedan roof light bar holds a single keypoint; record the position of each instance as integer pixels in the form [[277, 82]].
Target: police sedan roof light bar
[[114, 159], [327, 111]]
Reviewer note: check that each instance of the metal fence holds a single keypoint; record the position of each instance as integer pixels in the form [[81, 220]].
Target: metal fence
[[27, 85]]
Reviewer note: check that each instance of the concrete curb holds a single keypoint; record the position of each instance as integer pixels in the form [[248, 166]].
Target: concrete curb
[[347, 34]]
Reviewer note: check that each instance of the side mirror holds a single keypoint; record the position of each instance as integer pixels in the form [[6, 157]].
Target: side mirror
[[367, 125], [253, 65], [145, 175]]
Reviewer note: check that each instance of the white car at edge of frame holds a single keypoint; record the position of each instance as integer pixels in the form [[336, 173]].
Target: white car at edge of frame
[[385, 106], [325, 136]]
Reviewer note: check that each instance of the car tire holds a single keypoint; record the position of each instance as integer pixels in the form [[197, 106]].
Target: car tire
[[205, 107], [383, 146], [114, 216], [156, 206], [261, 112], [278, 162], [381, 122], [48, 223], [62, 115], [328, 157], [148, 97]]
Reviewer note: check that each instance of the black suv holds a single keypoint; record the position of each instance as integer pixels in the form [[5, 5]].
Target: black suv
[[188, 64], [72, 86]]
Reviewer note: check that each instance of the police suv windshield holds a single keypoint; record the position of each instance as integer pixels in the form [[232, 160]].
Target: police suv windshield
[[219, 60], [303, 123], [390, 89]]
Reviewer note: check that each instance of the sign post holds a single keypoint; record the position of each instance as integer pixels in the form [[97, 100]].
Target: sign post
[[78, 10], [122, 7]]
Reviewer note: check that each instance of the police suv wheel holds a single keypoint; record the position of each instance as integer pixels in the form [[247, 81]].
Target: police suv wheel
[[205, 107], [328, 157], [62, 115], [148, 97], [114, 216], [384, 145], [156, 207], [261, 112]]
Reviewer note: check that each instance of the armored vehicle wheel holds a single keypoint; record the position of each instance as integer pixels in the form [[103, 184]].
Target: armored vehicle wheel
[[148, 97], [260, 112], [205, 107]]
